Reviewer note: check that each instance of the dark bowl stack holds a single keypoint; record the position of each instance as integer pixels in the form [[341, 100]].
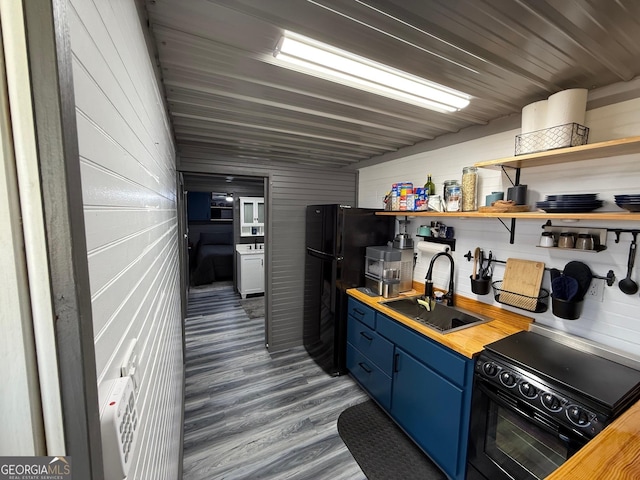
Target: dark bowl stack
[[629, 202], [570, 203]]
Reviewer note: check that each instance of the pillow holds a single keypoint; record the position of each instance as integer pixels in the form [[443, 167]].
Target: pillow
[[220, 238]]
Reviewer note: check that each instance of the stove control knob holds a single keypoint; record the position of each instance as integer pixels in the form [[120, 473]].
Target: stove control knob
[[490, 369], [578, 416], [551, 402], [508, 379], [528, 390]]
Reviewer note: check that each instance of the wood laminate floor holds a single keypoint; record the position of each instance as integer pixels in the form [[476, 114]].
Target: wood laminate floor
[[254, 415]]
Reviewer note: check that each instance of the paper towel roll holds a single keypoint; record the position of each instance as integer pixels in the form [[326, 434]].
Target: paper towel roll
[[534, 116], [430, 248], [534, 119], [567, 106]]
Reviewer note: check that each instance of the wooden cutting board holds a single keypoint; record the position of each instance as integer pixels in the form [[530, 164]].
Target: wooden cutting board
[[521, 283]]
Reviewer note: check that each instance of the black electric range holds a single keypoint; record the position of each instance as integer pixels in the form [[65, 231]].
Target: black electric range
[[581, 390]]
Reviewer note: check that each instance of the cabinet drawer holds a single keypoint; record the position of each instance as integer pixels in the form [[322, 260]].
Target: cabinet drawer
[[372, 379], [360, 311], [439, 358], [373, 346]]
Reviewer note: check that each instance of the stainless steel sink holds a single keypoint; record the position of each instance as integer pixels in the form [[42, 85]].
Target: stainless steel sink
[[441, 318]]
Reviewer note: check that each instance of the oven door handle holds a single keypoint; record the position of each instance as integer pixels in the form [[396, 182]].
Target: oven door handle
[[535, 418]]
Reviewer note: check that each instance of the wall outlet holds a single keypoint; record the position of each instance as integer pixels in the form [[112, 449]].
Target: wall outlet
[[596, 291]]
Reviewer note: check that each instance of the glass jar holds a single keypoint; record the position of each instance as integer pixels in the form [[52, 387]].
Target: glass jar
[[469, 189], [452, 195]]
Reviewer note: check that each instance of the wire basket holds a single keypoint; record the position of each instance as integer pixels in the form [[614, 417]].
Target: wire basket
[[561, 136], [537, 304]]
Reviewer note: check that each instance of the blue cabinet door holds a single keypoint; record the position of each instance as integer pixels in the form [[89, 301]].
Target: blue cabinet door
[[198, 206], [430, 409]]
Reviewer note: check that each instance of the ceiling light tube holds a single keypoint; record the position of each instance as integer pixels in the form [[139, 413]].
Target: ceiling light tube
[[324, 61]]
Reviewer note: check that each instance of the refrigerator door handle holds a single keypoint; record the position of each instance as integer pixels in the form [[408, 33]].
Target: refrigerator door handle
[[334, 286], [319, 254]]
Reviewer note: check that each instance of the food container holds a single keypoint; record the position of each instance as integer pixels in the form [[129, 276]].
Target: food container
[[547, 240], [584, 242], [567, 240], [452, 195], [469, 189]]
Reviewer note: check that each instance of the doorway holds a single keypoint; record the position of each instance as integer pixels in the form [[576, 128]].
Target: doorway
[[224, 240]]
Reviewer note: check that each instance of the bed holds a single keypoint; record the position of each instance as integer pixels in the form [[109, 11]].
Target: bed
[[213, 258]]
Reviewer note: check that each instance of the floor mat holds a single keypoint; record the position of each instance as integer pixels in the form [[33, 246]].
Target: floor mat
[[382, 450]]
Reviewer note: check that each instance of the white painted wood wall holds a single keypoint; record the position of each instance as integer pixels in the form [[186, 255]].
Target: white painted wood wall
[[129, 195], [614, 321]]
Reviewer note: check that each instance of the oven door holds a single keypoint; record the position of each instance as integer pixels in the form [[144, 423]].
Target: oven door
[[511, 440]]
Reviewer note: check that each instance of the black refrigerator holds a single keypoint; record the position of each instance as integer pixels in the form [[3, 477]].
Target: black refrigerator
[[336, 241]]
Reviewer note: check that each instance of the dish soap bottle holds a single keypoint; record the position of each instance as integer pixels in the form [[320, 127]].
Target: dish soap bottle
[[429, 187]]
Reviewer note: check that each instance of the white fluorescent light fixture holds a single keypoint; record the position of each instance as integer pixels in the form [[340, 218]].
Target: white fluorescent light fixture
[[321, 60]]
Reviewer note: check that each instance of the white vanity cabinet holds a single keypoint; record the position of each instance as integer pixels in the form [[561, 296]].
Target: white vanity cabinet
[[250, 269], [251, 216]]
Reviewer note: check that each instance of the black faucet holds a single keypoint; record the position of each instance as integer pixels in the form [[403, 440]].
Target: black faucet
[[428, 282]]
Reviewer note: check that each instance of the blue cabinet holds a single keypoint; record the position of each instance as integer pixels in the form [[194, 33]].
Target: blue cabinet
[[430, 410], [198, 206], [369, 355], [424, 386], [370, 376]]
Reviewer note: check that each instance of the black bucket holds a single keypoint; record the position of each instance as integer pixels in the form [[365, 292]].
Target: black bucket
[[480, 286], [569, 310]]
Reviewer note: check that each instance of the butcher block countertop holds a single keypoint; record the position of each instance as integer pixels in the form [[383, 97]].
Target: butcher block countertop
[[613, 455], [468, 341]]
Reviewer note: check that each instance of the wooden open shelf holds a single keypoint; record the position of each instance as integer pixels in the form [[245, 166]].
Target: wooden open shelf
[[618, 216], [610, 148]]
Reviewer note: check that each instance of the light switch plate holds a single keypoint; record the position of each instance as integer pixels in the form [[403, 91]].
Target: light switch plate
[[129, 366]]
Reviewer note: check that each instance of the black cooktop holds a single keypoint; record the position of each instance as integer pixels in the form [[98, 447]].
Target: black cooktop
[[607, 382]]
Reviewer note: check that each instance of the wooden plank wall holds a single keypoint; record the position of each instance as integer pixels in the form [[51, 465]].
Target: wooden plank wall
[[128, 182]]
